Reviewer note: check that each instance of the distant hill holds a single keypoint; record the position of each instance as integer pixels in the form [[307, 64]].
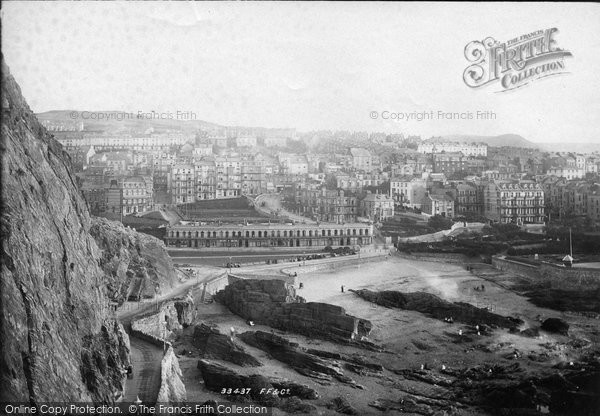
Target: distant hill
[[123, 122], [512, 140], [112, 120]]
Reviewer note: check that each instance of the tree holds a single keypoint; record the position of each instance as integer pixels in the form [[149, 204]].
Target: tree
[[439, 223], [330, 182]]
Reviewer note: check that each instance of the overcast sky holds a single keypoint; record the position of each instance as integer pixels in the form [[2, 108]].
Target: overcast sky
[[303, 65]]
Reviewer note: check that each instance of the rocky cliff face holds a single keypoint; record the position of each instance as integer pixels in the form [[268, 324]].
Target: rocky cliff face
[[136, 264], [59, 341]]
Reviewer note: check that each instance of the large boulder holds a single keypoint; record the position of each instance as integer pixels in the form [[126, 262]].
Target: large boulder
[[556, 325], [275, 303]]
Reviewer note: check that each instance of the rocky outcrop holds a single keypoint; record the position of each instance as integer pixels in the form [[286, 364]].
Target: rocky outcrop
[[405, 405], [289, 353], [275, 303], [172, 390], [185, 310], [59, 342], [136, 264], [258, 388], [255, 299], [212, 344], [503, 389], [438, 308], [555, 325], [341, 405]]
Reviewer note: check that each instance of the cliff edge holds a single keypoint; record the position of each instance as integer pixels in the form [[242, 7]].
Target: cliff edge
[[59, 339]]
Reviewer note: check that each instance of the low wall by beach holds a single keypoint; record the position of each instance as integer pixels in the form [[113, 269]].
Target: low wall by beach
[[557, 276], [375, 256], [520, 269], [448, 258], [561, 277]]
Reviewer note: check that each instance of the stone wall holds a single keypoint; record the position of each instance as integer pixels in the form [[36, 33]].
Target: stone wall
[[159, 325], [286, 275], [521, 269], [214, 285], [558, 277], [448, 258], [570, 277], [172, 316], [334, 264]]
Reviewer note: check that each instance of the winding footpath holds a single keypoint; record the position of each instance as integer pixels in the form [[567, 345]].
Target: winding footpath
[[145, 384], [146, 357], [273, 206]]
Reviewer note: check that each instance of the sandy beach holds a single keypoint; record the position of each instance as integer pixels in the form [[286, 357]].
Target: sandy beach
[[410, 338]]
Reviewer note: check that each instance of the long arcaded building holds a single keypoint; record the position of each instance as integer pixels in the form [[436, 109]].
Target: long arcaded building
[[200, 235]]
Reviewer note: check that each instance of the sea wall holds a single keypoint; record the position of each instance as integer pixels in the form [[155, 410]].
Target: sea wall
[[448, 258], [520, 269], [570, 277], [557, 276], [335, 264]]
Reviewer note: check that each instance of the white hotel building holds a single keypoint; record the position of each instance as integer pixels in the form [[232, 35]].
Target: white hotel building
[[467, 149]]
